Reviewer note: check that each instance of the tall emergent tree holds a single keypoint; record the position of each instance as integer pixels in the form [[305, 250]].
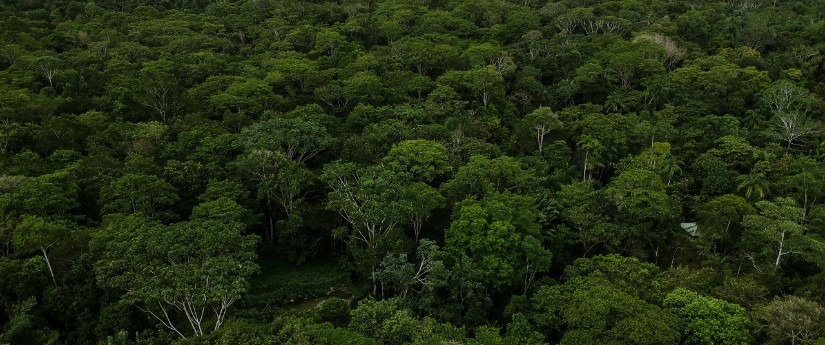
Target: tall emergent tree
[[196, 269]]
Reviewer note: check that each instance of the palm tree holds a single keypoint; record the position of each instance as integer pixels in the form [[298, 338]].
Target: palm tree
[[591, 147], [753, 184], [671, 167]]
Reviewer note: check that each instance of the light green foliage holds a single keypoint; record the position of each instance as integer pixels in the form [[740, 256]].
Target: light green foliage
[[422, 275], [717, 86], [425, 160], [641, 194], [46, 195], [368, 199], [608, 300], [609, 134], [519, 331], [217, 189], [540, 123], [180, 269], [658, 159], [423, 200], [622, 63], [491, 231], [293, 70], [365, 198], [708, 320], [35, 233], [249, 96], [754, 185], [158, 92], [482, 175], [138, 194], [363, 87], [223, 210], [22, 328], [783, 96], [384, 320], [239, 332], [299, 139], [303, 331], [793, 320], [483, 84], [582, 207], [775, 232]]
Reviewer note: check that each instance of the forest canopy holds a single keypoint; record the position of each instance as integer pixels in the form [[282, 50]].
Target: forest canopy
[[412, 172]]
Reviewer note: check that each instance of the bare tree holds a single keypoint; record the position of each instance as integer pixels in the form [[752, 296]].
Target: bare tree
[[793, 127]]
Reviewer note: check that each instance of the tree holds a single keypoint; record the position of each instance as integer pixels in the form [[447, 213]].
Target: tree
[[329, 42], [483, 83], [50, 195], [707, 319], [784, 96], [583, 208], [487, 54], [423, 200], [754, 184], [641, 193], [425, 54], [138, 194], [607, 300], [40, 234], [492, 232], [591, 147], [792, 319], [288, 186], [299, 139], [243, 95], [657, 158], [158, 90], [536, 259], [279, 181], [293, 69], [22, 326], [222, 209], [47, 66], [363, 87], [469, 298], [384, 320], [304, 330], [720, 219], [806, 180], [197, 269], [519, 331], [542, 121], [367, 198], [777, 228], [371, 201], [482, 175], [793, 127], [717, 86], [423, 276], [425, 160]]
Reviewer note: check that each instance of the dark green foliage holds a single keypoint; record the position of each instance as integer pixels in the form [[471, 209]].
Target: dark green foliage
[[281, 283], [473, 172]]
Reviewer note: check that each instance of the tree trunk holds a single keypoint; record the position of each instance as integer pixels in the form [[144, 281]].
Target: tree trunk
[[270, 231], [781, 245], [48, 264]]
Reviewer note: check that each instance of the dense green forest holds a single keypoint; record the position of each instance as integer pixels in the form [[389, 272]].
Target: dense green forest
[[412, 172]]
